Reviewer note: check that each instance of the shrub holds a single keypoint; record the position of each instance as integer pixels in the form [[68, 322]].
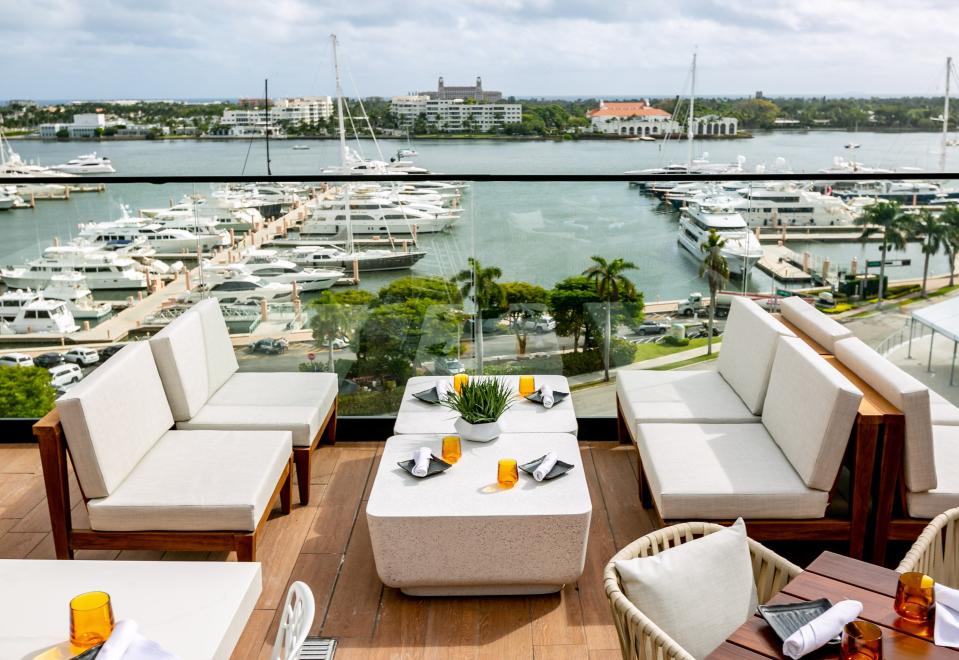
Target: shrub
[[25, 392], [670, 340], [370, 403], [480, 402]]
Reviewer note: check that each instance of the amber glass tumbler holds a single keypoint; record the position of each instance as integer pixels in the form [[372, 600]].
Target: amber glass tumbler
[[527, 385], [861, 640], [507, 474], [452, 449], [915, 596], [91, 620], [459, 380]]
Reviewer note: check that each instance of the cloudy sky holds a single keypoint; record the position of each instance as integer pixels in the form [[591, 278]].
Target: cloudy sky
[[56, 49]]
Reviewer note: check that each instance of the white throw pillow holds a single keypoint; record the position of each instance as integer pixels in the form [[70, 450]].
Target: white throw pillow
[[699, 592]]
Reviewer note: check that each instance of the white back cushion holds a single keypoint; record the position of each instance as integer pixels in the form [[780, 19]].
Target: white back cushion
[[113, 418], [809, 411], [181, 360], [220, 358], [749, 345], [817, 326], [907, 394], [699, 592]]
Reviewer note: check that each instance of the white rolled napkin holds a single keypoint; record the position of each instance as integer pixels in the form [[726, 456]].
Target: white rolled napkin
[[544, 468], [547, 393], [946, 631], [443, 386], [126, 643], [421, 461], [823, 628]]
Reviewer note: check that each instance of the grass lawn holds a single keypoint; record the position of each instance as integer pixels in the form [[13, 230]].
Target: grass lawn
[[686, 363], [650, 351]]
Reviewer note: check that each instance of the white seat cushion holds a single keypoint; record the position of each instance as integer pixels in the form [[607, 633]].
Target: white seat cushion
[[220, 357], [696, 397], [816, 325], [749, 346], [930, 503], [908, 395], [809, 411], [113, 417], [197, 481], [296, 401], [181, 358], [722, 472], [944, 413], [698, 592]]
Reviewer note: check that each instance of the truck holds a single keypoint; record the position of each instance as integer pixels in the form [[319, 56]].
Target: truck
[[694, 305]]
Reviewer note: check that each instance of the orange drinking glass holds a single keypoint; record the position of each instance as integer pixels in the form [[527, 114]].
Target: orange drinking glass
[[507, 474], [451, 448], [459, 380], [915, 596], [527, 385], [861, 640], [91, 620]]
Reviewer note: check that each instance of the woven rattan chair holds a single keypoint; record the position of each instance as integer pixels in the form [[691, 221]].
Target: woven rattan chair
[[936, 551], [640, 637]]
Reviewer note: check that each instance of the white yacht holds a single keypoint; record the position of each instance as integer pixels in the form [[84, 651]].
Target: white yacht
[[773, 205], [265, 265], [371, 216], [87, 164], [43, 316], [72, 289], [12, 300], [243, 288], [367, 261], [165, 240], [103, 270], [742, 249], [7, 200]]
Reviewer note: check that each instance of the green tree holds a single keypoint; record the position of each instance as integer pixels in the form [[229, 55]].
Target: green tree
[[525, 302], [338, 315], [568, 302], [25, 392], [930, 228], [950, 239], [716, 271], [610, 285], [759, 113], [888, 218], [479, 285], [409, 288]]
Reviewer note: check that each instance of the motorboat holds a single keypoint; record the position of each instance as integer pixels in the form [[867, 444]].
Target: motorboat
[[365, 261], [102, 269], [72, 289], [328, 216], [43, 316], [164, 240], [242, 288], [301, 147], [265, 265], [741, 250], [12, 300], [89, 163]]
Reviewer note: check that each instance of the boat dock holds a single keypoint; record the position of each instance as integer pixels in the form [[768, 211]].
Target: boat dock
[[779, 263]]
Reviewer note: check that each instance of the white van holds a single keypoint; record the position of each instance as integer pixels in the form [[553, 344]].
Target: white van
[[65, 374], [16, 360]]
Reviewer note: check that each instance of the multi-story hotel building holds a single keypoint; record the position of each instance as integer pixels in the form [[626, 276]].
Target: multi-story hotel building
[[452, 115]]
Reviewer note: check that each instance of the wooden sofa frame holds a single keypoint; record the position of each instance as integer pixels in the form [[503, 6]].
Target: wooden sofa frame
[[303, 456], [54, 454]]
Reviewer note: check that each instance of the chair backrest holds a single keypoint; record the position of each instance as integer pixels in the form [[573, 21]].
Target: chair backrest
[[809, 411], [907, 394], [816, 325], [220, 357], [749, 346], [295, 623], [181, 358], [113, 417]]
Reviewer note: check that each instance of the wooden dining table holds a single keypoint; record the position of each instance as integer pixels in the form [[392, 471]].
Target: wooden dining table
[[839, 578]]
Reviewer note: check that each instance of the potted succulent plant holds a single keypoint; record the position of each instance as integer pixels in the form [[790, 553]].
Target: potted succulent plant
[[480, 404]]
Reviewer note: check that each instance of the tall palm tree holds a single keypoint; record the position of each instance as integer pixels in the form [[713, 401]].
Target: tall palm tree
[[933, 231], [479, 284], [950, 220], [716, 271], [888, 218], [611, 285]]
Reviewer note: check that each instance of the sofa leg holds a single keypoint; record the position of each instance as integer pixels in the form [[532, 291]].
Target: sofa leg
[[246, 547], [302, 458], [286, 490], [622, 432], [645, 497], [329, 433]]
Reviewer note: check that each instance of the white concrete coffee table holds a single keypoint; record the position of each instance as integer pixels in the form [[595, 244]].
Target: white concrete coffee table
[[524, 416], [195, 610], [458, 534]]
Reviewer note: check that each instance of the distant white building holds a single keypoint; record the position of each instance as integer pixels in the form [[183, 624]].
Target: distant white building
[[305, 110], [84, 125], [714, 125], [454, 115], [640, 119]]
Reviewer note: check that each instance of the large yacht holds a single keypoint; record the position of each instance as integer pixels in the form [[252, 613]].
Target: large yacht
[[243, 288], [742, 249], [269, 268], [43, 316], [72, 289], [12, 300], [87, 164], [371, 216], [103, 270], [367, 261], [165, 240]]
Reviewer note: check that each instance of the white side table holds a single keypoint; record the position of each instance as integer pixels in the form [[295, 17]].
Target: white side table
[[524, 416], [458, 534]]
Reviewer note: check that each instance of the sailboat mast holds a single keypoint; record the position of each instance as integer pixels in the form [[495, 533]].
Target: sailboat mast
[[266, 101], [339, 103], [692, 110], [945, 118]]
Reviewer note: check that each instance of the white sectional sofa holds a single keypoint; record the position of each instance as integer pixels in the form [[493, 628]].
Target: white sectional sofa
[[813, 323], [200, 375], [147, 486], [733, 393], [781, 468]]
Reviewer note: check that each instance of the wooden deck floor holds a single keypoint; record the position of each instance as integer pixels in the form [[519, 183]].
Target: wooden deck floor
[[327, 546]]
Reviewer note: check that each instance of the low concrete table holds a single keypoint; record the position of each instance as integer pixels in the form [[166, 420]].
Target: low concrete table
[[195, 610], [459, 534], [524, 416]]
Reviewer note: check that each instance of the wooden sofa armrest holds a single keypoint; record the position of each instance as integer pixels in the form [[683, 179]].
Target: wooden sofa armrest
[[53, 458]]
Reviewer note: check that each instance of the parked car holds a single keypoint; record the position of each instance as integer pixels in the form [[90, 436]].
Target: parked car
[[448, 366], [340, 343], [540, 325], [47, 360], [16, 360], [65, 374], [650, 327], [703, 331], [268, 346], [82, 355], [108, 352]]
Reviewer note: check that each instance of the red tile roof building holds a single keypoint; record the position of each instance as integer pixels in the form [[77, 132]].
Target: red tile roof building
[[640, 119], [626, 109]]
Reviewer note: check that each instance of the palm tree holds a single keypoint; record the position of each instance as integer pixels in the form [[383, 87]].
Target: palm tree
[[716, 271], [933, 232], [480, 284], [611, 284], [950, 220], [886, 217]]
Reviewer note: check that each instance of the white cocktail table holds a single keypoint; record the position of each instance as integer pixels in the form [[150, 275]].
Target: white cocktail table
[[524, 416], [196, 610], [458, 534]]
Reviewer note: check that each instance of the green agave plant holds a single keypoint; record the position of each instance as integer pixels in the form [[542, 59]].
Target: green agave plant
[[481, 402]]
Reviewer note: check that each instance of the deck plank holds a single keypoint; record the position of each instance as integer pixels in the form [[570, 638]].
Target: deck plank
[[505, 630], [401, 630], [333, 524], [628, 520], [356, 597], [561, 652], [452, 629], [558, 618]]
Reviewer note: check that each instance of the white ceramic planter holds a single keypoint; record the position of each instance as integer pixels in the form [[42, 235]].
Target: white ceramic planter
[[477, 432]]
